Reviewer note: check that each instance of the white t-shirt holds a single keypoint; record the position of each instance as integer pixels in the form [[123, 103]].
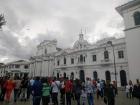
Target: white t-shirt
[[98, 86], [127, 88], [55, 86]]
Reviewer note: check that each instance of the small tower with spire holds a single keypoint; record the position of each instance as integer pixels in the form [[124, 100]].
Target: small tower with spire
[[81, 35]]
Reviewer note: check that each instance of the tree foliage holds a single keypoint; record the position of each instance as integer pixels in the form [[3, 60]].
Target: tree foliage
[[2, 20]]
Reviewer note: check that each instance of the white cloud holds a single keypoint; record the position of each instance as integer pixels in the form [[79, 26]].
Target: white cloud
[[31, 21]]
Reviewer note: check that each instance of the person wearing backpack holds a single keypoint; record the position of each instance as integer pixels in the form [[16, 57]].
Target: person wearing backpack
[[55, 89]]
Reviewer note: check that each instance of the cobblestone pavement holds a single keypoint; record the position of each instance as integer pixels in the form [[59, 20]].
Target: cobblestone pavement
[[120, 100]]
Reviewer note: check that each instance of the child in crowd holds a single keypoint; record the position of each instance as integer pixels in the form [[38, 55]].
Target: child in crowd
[[127, 90]]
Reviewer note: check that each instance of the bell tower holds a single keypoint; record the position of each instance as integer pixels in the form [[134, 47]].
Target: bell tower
[[81, 35], [131, 15]]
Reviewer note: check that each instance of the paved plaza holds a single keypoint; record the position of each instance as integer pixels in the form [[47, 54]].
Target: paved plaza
[[120, 100]]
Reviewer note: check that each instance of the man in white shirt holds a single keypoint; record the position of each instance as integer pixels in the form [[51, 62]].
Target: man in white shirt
[[55, 89]]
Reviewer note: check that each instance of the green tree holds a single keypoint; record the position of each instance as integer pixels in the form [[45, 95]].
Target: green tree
[[2, 21]]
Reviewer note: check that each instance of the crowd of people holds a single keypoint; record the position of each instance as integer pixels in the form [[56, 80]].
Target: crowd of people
[[133, 90], [46, 90]]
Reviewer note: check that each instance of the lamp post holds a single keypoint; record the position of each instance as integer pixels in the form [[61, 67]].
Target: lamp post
[[110, 43]]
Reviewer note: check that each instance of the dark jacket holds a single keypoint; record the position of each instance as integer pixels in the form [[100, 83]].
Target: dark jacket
[[109, 92], [136, 91], [37, 88]]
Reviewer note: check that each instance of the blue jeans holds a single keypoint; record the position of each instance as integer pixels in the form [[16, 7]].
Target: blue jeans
[[36, 100], [90, 99]]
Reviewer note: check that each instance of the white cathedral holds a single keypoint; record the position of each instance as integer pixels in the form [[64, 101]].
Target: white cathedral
[[108, 59], [97, 61]]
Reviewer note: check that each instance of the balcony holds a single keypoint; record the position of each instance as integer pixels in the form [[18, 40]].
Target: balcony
[[80, 63], [106, 62]]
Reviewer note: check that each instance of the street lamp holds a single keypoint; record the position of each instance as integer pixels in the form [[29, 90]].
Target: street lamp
[[110, 43]]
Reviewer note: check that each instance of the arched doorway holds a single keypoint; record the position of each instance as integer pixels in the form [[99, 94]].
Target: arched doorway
[[95, 75], [64, 75], [107, 75], [72, 76], [123, 78], [82, 75]]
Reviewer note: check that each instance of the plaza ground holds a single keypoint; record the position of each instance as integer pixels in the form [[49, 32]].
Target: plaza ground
[[120, 100]]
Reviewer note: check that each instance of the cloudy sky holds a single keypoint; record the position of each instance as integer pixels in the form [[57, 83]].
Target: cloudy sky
[[31, 21]]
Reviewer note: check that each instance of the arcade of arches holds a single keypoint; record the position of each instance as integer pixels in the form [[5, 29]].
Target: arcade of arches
[[122, 74]]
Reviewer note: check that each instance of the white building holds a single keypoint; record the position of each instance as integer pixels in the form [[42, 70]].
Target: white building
[[18, 68], [131, 15], [83, 60], [2, 70], [43, 63]]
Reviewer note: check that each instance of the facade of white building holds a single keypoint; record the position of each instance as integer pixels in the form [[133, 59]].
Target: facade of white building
[[131, 15], [43, 63], [17, 68], [82, 60], [2, 70]]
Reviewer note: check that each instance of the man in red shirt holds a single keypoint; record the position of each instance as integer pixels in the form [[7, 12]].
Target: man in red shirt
[[68, 90]]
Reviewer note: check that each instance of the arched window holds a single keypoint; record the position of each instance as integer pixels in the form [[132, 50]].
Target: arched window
[[65, 60], [64, 75], [106, 55], [82, 75], [57, 75], [81, 58], [137, 18], [95, 75], [107, 75]]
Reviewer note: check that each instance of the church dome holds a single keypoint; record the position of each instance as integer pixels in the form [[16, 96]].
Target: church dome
[[81, 43]]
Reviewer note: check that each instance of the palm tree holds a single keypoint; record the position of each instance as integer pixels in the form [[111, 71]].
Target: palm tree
[[2, 21]]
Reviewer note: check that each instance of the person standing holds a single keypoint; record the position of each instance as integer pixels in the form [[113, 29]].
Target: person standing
[[17, 83], [98, 89], [55, 89], [89, 89], [62, 91], [109, 93], [9, 89], [24, 85], [77, 90], [3, 88], [68, 90], [37, 91], [136, 91], [131, 89], [45, 92], [127, 88], [84, 96]]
